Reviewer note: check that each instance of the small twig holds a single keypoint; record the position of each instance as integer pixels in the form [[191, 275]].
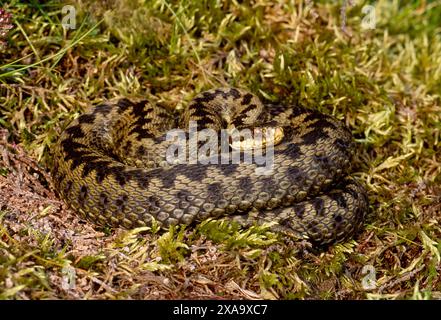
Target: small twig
[[406, 277]]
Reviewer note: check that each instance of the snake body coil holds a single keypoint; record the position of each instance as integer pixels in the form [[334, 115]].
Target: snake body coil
[[106, 166]]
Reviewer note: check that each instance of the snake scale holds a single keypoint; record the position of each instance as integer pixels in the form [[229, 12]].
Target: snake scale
[[107, 168]]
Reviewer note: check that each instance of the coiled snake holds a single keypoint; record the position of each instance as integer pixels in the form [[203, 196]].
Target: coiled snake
[[107, 166]]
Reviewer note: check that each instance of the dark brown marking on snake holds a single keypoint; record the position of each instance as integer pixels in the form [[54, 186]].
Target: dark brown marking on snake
[[239, 120], [122, 143], [296, 175], [342, 145], [312, 137], [203, 122], [153, 200], [299, 210], [274, 109], [214, 187], [322, 160], [214, 192], [270, 184], [141, 114], [120, 202], [298, 111], [168, 180], [118, 174], [104, 200], [292, 151], [228, 169], [83, 193], [247, 109], [352, 192], [339, 198], [318, 204], [196, 172], [87, 118], [126, 146], [197, 109], [321, 123], [90, 164], [141, 151], [234, 93], [103, 109], [75, 132], [313, 117], [313, 229], [204, 119], [124, 104], [204, 98], [245, 183], [185, 195], [142, 178], [105, 169], [246, 99], [73, 153], [101, 174]]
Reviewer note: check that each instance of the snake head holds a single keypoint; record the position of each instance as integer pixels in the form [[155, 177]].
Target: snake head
[[257, 137]]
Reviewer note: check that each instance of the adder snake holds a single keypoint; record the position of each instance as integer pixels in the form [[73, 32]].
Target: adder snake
[[106, 167]]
